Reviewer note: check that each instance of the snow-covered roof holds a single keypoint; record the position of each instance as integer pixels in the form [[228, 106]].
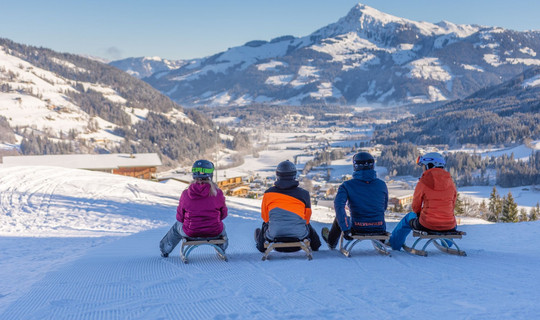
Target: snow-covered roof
[[86, 161]]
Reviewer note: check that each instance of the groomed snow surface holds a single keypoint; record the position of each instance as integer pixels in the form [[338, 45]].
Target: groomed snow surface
[[84, 245]]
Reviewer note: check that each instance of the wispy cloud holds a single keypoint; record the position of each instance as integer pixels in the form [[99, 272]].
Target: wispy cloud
[[113, 53]]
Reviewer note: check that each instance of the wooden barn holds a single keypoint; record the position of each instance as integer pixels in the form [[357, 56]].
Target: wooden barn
[[139, 165]]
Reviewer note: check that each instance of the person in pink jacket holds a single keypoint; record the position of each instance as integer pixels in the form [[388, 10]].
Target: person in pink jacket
[[200, 212]]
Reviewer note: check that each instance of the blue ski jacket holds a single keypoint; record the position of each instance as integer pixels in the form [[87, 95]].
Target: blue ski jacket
[[367, 198]]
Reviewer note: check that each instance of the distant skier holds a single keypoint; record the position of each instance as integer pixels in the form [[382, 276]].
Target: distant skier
[[366, 196], [200, 211], [433, 201], [286, 210]]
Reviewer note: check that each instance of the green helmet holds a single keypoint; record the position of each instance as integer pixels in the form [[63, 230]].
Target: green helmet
[[202, 169]]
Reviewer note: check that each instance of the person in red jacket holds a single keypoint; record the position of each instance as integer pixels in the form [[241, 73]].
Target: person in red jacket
[[200, 212], [433, 201]]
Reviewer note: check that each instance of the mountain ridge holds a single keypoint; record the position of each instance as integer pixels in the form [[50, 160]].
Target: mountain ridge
[[503, 114], [366, 57], [55, 102]]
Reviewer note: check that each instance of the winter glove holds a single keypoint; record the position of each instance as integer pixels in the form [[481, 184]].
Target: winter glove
[[347, 235]]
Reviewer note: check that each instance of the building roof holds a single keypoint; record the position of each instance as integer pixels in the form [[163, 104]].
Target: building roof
[[86, 161], [397, 191]]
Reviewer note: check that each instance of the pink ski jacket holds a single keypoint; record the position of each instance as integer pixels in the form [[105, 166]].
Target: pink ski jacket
[[200, 212]]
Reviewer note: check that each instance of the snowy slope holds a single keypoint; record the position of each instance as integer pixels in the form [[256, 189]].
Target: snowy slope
[[81, 276], [69, 99], [49, 108]]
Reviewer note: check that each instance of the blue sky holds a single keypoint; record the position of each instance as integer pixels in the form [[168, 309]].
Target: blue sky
[[183, 29]]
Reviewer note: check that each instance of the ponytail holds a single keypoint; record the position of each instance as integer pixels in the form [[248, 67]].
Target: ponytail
[[213, 186]]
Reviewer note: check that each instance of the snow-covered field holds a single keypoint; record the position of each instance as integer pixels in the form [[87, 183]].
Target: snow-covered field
[[84, 245], [521, 152]]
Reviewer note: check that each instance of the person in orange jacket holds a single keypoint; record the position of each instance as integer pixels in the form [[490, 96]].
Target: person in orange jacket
[[433, 201], [286, 211]]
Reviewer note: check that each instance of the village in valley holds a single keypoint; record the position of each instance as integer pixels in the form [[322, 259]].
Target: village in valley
[[321, 148], [295, 137]]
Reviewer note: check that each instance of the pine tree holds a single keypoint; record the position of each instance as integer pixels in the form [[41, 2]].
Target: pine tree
[[494, 206], [459, 209], [483, 210], [509, 209], [535, 212], [523, 215]]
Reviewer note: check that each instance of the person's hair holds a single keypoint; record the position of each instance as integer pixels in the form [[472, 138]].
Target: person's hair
[[213, 186]]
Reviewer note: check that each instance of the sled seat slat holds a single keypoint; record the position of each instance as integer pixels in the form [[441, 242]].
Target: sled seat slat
[[438, 235], [441, 240], [302, 244], [199, 242], [371, 236], [345, 246], [189, 244]]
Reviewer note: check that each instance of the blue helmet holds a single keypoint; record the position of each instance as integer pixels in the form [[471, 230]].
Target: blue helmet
[[202, 169], [431, 160], [363, 161]]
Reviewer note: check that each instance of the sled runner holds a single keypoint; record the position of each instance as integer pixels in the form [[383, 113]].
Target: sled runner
[[287, 245], [442, 241], [188, 244], [345, 245]]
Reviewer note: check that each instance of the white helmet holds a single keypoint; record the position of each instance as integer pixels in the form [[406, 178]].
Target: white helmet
[[431, 160]]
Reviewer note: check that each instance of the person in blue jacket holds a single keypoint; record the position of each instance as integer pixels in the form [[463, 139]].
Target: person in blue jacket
[[367, 199]]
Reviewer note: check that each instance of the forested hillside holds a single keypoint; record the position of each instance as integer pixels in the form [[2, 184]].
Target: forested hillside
[[501, 115], [467, 169], [79, 105]]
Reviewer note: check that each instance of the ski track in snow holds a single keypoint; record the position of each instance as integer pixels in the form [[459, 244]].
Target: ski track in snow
[[115, 277]]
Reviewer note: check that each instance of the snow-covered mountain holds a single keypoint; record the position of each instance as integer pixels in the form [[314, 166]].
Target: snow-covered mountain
[[146, 66], [73, 104], [366, 57]]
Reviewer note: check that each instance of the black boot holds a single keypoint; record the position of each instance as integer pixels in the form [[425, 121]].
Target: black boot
[[324, 233]]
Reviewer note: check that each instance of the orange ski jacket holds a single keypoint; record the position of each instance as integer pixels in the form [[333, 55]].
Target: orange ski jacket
[[434, 200], [287, 210]]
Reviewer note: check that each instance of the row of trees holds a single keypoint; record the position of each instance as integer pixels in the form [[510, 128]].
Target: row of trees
[[504, 209], [512, 173], [497, 209], [399, 159], [176, 140], [324, 157], [258, 113], [95, 104], [37, 145], [6, 133], [467, 169]]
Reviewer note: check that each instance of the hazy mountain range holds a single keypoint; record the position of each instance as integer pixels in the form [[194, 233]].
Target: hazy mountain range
[[146, 66]]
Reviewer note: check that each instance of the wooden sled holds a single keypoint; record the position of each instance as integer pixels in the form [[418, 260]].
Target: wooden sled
[[345, 246], [441, 241], [279, 243], [189, 244]]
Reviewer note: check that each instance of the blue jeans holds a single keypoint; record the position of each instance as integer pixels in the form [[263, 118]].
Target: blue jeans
[[175, 235], [401, 231], [403, 228]]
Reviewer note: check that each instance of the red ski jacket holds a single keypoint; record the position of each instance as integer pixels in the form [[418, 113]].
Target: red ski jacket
[[434, 199]]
